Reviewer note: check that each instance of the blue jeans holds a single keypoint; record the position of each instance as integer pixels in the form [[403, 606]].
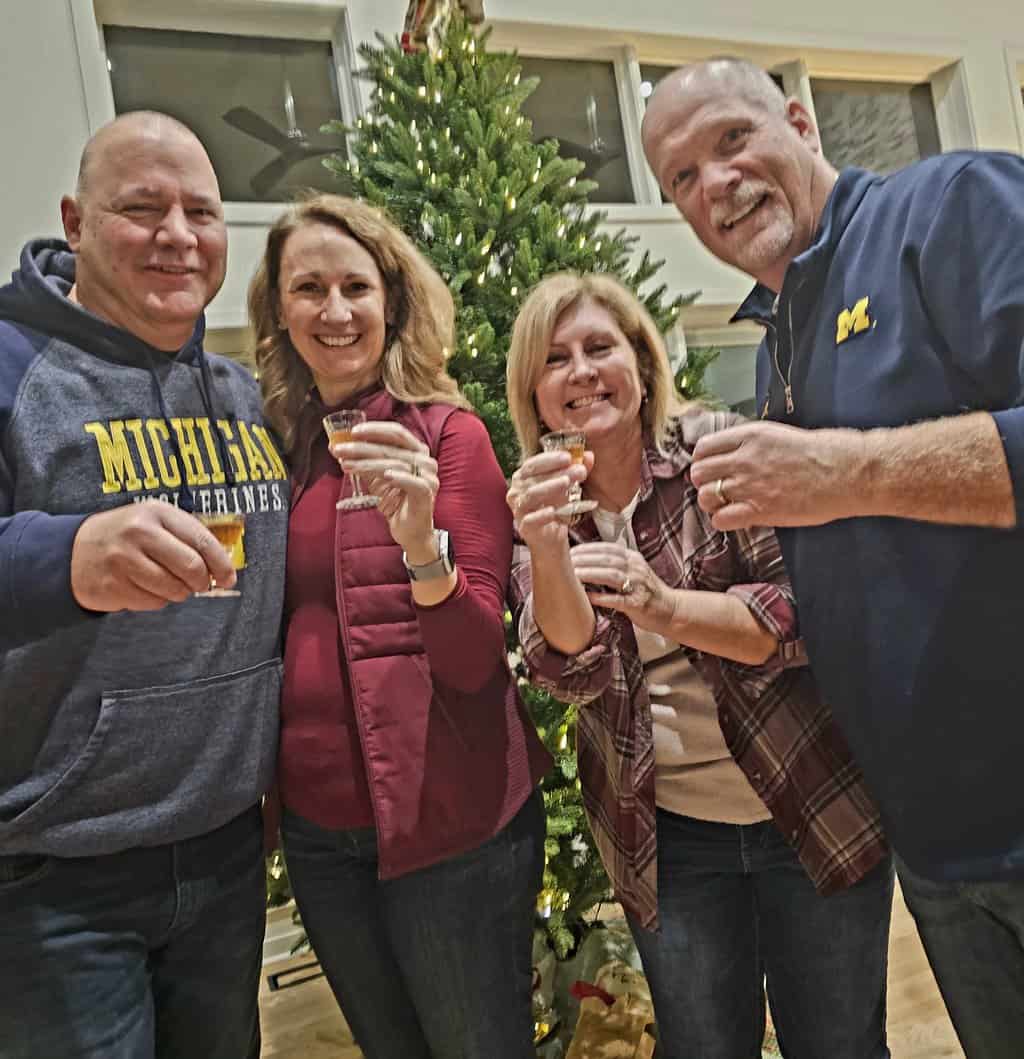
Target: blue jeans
[[435, 964], [973, 934], [736, 909], [150, 952]]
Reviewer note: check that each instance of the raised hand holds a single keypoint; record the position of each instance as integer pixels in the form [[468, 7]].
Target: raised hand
[[537, 489], [771, 474], [397, 467], [144, 556]]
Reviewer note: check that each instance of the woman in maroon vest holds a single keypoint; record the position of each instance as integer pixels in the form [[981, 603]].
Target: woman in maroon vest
[[408, 767]]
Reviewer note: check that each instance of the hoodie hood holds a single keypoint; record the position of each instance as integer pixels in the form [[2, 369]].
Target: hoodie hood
[[37, 297]]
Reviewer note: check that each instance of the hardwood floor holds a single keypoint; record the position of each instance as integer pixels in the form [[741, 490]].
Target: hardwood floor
[[304, 1023]]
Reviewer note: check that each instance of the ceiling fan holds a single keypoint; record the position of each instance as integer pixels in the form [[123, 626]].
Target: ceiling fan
[[292, 145]]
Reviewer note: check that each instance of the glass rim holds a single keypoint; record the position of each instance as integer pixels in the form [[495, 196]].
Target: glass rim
[[216, 518], [353, 415], [565, 437]]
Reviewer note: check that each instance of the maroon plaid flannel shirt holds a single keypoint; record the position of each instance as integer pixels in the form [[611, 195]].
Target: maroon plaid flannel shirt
[[777, 728]]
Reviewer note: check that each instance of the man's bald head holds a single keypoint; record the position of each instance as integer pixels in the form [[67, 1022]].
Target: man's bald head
[[726, 76], [147, 228], [136, 123], [741, 163]]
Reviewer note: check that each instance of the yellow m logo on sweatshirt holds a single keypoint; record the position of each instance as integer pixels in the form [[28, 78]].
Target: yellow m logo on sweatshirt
[[852, 321]]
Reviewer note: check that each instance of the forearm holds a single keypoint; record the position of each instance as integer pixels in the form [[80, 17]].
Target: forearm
[[464, 635], [717, 624], [561, 609], [951, 471]]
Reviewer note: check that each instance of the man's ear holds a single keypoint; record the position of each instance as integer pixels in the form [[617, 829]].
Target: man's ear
[[71, 217], [802, 123]]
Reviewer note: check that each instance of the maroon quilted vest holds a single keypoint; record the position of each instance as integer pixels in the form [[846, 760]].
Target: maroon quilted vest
[[447, 769]]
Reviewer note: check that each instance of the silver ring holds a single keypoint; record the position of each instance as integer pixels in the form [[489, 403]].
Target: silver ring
[[720, 492], [627, 587]]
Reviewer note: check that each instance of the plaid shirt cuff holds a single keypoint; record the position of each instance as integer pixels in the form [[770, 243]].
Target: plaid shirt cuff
[[579, 677], [773, 607]]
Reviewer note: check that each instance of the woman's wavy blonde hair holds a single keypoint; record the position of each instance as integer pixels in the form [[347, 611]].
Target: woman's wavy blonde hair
[[420, 311], [531, 342]]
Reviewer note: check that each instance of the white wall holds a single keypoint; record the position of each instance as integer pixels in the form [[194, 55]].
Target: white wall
[[50, 100], [43, 121]]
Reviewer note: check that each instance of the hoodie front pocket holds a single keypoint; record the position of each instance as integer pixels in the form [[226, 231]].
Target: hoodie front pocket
[[161, 760]]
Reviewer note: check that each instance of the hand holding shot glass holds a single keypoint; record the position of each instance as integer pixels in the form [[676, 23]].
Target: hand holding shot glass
[[575, 443]]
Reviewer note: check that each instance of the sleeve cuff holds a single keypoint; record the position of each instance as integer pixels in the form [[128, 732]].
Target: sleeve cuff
[[1010, 424], [40, 575]]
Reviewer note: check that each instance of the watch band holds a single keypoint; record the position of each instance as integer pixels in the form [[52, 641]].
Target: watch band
[[443, 565]]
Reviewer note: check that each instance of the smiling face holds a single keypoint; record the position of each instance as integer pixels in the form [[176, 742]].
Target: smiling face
[[148, 232], [333, 303], [590, 380], [750, 180]]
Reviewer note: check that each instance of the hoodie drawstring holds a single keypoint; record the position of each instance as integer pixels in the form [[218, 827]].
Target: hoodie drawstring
[[187, 498]]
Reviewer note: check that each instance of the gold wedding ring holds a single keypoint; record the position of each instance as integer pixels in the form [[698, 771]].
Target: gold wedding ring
[[720, 492]]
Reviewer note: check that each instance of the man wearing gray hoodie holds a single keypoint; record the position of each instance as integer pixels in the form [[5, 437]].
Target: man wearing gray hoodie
[[138, 723]]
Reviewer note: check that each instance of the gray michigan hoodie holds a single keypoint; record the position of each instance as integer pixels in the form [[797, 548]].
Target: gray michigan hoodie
[[126, 729]]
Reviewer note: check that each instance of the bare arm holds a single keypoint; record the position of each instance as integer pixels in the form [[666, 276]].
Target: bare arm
[[561, 609], [952, 471], [713, 622]]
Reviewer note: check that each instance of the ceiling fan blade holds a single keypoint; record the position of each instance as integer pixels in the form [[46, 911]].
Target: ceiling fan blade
[[249, 122], [270, 174]]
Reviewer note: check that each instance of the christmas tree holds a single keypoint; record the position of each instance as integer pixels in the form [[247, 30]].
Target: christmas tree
[[446, 150]]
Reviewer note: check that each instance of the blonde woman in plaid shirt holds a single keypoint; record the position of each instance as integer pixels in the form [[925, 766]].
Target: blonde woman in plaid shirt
[[732, 821]]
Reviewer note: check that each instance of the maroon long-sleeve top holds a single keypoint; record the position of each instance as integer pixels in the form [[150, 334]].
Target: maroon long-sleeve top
[[321, 768]]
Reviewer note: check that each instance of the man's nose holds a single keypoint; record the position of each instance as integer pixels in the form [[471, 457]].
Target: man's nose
[[176, 230], [720, 179]]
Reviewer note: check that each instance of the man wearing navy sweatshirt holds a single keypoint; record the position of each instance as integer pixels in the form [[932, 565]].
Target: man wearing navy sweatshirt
[[891, 456], [138, 723]]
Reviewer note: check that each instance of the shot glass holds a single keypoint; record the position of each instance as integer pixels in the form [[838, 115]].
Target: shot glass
[[338, 426], [229, 529], [575, 443]]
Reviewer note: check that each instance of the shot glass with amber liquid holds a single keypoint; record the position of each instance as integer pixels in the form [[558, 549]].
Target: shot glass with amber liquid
[[338, 426], [575, 443], [229, 529]]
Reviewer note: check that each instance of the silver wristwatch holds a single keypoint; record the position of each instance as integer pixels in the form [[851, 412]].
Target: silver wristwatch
[[443, 565]]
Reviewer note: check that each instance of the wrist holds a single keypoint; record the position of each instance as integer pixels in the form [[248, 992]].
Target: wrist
[[860, 477], [422, 550]]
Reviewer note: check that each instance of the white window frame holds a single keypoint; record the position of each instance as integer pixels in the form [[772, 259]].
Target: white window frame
[[1015, 75], [326, 20], [797, 65]]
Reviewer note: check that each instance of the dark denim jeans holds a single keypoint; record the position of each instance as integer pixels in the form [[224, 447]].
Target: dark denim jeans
[[435, 964], [973, 934], [736, 909], [150, 952]]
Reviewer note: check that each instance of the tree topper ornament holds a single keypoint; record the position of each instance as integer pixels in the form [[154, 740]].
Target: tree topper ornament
[[426, 21]]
